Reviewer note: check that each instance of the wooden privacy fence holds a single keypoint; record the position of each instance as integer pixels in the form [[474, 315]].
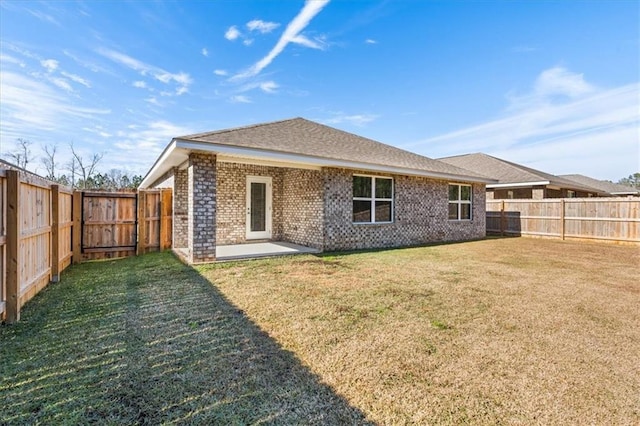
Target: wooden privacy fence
[[45, 227], [35, 237], [109, 225], [611, 219]]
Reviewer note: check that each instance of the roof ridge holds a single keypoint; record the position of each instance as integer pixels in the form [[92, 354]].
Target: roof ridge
[[232, 129]]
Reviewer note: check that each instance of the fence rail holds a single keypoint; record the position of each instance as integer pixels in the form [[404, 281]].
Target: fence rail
[[607, 219], [45, 227]]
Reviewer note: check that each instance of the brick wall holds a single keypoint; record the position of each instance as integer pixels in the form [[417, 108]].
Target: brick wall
[[180, 208], [303, 207], [201, 235], [421, 214], [232, 200]]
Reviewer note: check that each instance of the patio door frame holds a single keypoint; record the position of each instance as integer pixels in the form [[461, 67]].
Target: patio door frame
[[266, 234]]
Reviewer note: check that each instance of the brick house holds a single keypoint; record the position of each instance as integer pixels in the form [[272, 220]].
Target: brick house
[[305, 183], [517, 181]]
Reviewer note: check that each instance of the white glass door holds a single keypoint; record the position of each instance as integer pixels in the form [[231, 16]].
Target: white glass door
[[258, 207]]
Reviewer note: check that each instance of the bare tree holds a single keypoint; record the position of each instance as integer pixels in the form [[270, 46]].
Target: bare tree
[[82, 168], [21, 157], [49, 160]]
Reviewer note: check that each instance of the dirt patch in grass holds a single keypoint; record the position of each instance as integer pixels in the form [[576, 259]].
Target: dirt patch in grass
[[148, 341], [501, 331]]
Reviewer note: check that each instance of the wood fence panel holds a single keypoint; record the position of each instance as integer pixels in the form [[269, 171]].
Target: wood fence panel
[[611, 219], [3, 243], [166, 218], [45, 226], [108, 225], [65, 224], [34, 239], [152, 217]]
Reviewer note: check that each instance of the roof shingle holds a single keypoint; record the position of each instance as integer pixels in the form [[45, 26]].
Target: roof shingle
[[304, 137]]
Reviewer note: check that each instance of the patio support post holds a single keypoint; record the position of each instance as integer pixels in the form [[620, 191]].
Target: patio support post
[[180, 208], [202, 207]]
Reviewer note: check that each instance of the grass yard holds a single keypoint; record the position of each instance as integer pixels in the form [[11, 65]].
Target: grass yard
[[500, 331]]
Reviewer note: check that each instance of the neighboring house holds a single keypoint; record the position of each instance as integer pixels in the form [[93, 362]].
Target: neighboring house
[[301, 182], [517, 181], [613, 189]]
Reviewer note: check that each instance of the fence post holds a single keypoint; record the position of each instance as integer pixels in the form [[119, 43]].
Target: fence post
[[77, 226], [13, 233], [562, 221], [166, 212], [55, 233], [502, 218], [142, 224]]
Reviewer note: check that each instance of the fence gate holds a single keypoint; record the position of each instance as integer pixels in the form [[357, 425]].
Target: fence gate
[[109, 224], [119, 224]]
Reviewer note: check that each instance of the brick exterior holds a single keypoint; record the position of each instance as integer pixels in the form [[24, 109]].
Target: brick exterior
[[201, 235], [311, 208], [296, 203], [232, 200], [303, 207], [180, 208], [421, 214]]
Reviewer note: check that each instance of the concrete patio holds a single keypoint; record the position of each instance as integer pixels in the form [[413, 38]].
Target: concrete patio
[[254, 250]]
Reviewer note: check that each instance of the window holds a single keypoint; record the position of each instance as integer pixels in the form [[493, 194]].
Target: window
[[571, 194], [459, 202], [372, 199]]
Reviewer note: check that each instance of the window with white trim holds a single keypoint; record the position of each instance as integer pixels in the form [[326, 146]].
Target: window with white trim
[[372, 199], [459, 202]]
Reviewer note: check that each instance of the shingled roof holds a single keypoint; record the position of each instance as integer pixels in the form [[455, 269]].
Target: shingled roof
[[506, 172], [304, 141], [603, 185]]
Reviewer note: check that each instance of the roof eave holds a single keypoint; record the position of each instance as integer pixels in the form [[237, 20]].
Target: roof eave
[[180, 145]]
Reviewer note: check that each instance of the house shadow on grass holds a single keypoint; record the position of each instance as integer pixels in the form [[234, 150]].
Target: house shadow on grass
[[149, 341]]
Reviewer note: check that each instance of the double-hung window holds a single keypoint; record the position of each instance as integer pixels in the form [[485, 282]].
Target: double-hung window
[[459, 202], [372, 199]]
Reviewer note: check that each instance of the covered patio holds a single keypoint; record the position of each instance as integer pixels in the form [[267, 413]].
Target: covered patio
[[253, 250]]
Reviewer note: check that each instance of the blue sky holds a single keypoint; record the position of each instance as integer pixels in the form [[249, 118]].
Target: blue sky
[[552, 85]]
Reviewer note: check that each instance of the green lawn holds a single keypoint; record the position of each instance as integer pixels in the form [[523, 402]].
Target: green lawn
[[500, 331], [148, 341]]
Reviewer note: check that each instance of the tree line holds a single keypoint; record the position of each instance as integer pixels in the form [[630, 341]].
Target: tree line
[[79, 172]]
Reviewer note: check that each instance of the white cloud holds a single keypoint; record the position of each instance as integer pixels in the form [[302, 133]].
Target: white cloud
[[47, 110], [292, 34], [370, 41], [44, 17], [62, 83], [50, 64], [232, 33], [84, 63], [139, 144], [11, 60], [204, 51], [266, 86], [269, 86], [564, 121], [181, 90], [355, 119], [77, 79], [240, 99], [140, 84], [181, 78], [247, 41], [220, 72], [560, 81], [262, 26]]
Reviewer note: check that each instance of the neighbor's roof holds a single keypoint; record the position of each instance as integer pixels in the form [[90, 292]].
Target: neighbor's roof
[[302, 142], [603, 185], [511, 174]]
